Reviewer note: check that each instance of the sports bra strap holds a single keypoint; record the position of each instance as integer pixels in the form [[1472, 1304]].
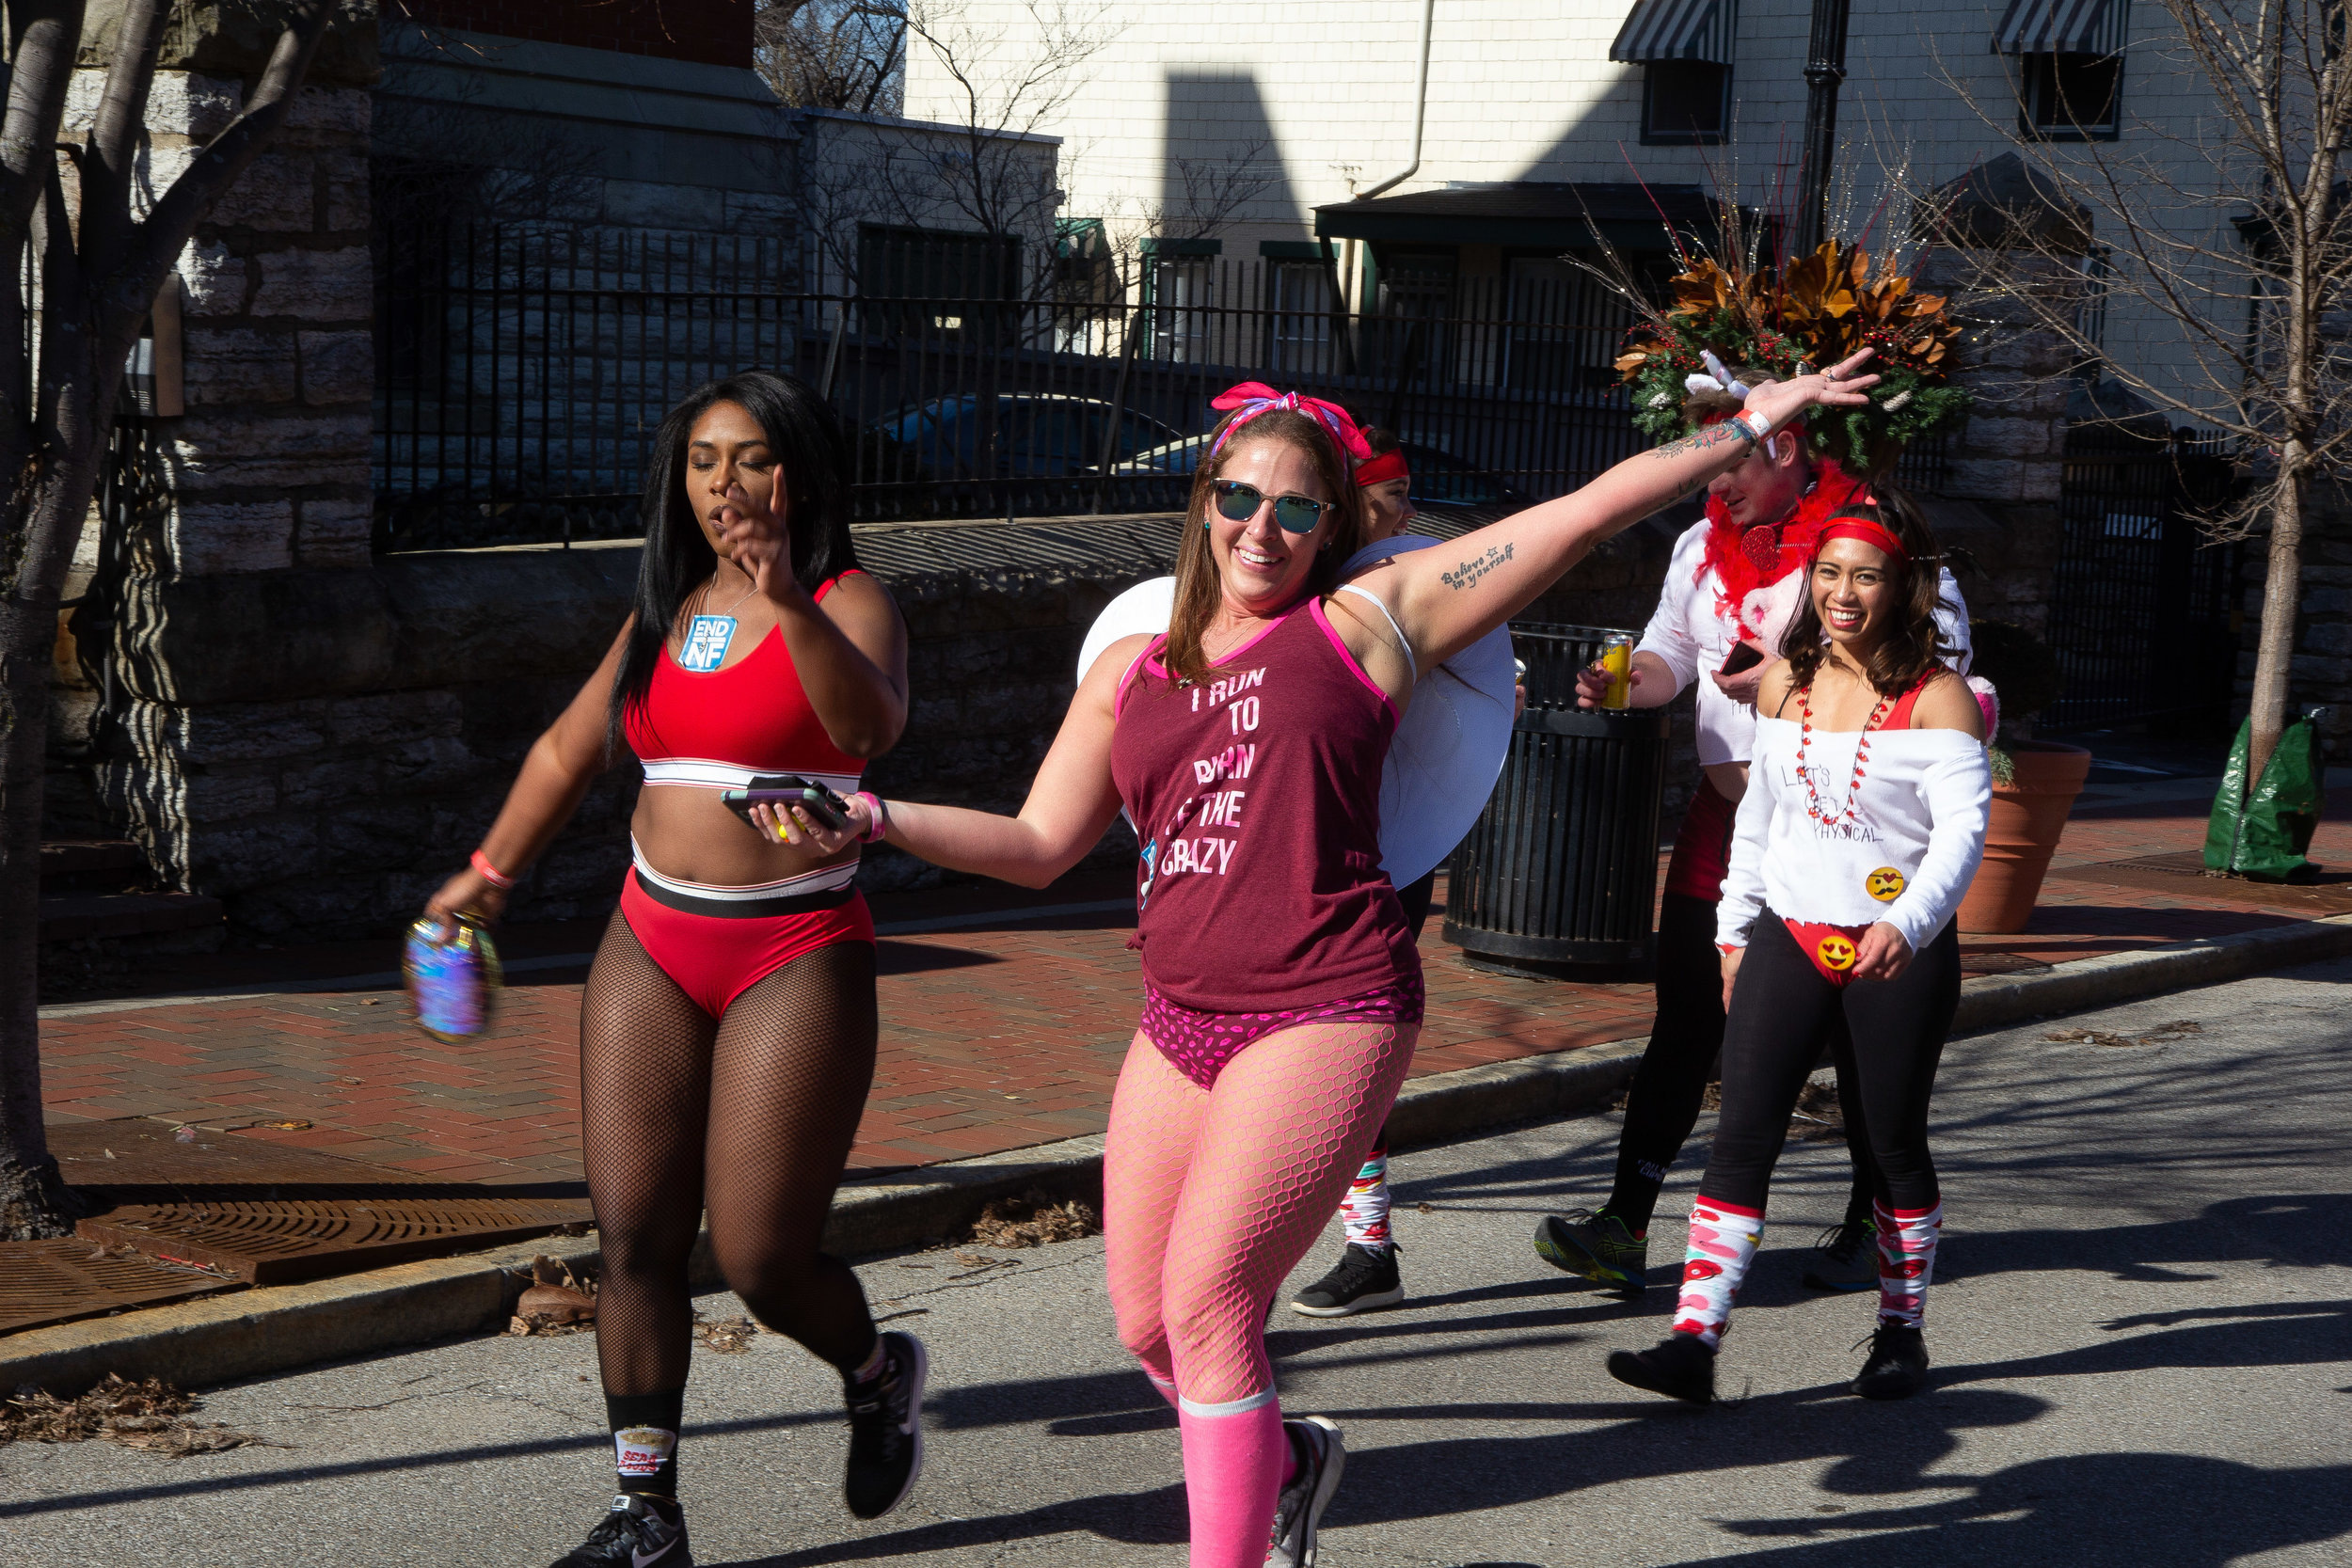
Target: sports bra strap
[[1403, 644], [829, 583], [1899, 717]]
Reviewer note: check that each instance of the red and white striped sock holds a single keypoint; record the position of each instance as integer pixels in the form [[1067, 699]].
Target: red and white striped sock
[[1907, 1239], [1723, 1237]]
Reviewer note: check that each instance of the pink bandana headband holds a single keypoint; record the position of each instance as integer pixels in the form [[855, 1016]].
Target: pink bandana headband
[[1253, 398]]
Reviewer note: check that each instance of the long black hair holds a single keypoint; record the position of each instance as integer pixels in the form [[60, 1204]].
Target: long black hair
[[813, 471]]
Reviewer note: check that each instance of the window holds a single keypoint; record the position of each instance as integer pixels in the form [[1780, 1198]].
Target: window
[[2071, 97], [1179, 285], [926, 282], [1685, 102], [1087, 292], [1298, 311]]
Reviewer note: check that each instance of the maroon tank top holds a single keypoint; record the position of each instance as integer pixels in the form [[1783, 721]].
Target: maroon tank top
[[1256, 794]]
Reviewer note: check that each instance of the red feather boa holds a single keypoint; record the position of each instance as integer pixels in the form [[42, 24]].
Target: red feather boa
[[1747, 559]]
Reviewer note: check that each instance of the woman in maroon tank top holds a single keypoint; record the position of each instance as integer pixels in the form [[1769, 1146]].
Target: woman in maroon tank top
[[1282, 989]]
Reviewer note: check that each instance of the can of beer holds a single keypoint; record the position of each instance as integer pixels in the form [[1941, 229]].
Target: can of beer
[[1616, 662], [454, 979]]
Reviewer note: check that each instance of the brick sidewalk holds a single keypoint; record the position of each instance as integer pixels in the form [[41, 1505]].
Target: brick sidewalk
[[995, 1036]]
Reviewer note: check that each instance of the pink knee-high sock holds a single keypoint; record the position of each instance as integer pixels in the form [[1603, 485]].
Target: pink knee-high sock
[[1234, 1467], [1722, 1244], [1907, 1239]]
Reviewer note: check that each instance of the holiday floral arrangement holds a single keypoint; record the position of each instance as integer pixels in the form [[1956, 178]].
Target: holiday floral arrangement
[[1816, 311]]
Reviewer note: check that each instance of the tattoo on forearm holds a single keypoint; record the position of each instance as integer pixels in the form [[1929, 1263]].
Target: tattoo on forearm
[[1471, 571], [1712, 435]]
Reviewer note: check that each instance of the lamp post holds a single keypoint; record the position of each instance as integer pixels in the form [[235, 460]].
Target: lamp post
[[1824, 70]]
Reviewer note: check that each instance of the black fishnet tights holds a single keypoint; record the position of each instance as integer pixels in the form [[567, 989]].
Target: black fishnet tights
[[750, 1117]]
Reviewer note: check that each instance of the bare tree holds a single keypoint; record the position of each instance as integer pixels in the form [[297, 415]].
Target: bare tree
[[834, 53], [2228, 242], [97, 266]]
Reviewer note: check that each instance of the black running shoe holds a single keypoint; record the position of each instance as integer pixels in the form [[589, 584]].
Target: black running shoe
[[886, 1429], [1364, 1281], [1898, 1367], [1844, 1258], [1299, 1510], [1682, 1366], [638, 1531], [1598, 1246]]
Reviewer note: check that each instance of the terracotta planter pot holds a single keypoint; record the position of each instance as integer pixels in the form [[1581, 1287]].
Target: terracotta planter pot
[[2029, 814]]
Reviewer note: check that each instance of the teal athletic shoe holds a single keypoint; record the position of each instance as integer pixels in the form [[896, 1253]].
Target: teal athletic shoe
[[1596, 1246]]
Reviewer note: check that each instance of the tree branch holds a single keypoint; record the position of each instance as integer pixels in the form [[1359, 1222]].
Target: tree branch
[[114, 140], [41, 55]]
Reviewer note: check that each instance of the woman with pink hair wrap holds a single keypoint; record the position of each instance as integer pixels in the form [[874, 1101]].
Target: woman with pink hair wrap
[[1282, 991]]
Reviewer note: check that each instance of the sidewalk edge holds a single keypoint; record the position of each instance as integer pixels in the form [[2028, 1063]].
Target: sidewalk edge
[[255, 1333]]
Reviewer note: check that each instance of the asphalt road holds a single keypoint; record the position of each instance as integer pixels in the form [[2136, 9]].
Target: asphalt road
[[2145, 1359]]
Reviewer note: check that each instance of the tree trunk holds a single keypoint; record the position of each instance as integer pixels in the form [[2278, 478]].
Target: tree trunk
[[2282, 596], [33, 1198]]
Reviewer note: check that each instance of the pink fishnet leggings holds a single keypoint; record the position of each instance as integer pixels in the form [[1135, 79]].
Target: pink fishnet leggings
[[1211, 1196]]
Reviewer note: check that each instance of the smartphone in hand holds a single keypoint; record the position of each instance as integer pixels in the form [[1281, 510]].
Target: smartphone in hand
[[780, 792], [1744, 655]]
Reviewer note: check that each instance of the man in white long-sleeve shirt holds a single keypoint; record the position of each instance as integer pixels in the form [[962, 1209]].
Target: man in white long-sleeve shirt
[[1731, 588]]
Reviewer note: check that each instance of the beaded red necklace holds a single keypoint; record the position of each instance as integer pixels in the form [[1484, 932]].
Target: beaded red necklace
[[1850, 811]]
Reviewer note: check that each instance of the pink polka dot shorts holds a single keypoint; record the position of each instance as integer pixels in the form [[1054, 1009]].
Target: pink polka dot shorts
[[1199, 1044]]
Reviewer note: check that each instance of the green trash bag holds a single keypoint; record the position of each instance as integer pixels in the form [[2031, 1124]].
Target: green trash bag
[[2262, 834]]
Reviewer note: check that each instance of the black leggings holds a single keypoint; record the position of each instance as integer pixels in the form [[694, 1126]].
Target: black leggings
[[750, 1115], [1670, 1084], [1781, 1012]]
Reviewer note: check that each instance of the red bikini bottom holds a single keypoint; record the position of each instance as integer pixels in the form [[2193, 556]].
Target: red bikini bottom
[[1831, 949], [716, 951]]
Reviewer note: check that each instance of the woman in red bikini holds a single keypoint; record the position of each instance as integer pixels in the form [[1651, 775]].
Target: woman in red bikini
[[1862, 826], [1283, 990], [728, 1028]]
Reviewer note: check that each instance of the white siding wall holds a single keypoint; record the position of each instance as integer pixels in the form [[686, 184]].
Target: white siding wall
[[1527, 92]]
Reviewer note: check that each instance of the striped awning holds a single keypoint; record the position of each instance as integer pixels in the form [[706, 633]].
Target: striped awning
[[1677, 30], [2063, 27]]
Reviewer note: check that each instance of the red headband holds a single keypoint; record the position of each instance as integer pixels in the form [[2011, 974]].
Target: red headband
[[1253, 398], [1379, 470], [1876, 535]]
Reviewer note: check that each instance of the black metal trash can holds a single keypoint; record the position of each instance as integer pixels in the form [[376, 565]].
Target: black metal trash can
[[1559, 878]]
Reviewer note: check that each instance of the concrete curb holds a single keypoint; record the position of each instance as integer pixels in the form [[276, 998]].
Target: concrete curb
[[254, 1333]]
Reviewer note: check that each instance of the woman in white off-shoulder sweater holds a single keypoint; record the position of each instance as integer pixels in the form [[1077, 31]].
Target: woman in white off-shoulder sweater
[[1862, 826]]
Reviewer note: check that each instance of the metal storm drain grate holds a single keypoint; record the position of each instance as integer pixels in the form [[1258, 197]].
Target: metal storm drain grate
[[268, 1213], [54, 1282]]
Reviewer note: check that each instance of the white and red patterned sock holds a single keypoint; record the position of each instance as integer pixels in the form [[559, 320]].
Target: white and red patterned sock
[[1365, 1209], [1907, 1239], [1723, 1237]]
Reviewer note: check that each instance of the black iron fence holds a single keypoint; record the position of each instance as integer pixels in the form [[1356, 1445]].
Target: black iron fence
[[521, 376], [2141, 608]]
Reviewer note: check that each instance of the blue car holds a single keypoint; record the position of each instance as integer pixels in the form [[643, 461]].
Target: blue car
[[1036, 435]]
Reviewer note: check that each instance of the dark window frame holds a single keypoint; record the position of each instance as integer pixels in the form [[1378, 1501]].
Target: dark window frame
[[2040, 90], [1653, 136]]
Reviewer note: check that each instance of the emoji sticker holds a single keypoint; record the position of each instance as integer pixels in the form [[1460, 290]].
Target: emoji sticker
[[1837, 952], [1885, 884]]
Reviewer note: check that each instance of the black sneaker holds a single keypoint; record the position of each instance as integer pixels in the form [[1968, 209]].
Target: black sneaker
[[1598, 1246], [1299, 1510], [1682, 1366], [1844, 1258], [1898, 1367], [1364, 1281], [639, 1530], [886, 1429]]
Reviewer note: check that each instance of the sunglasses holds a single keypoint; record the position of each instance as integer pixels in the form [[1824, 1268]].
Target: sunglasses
[[1238, 502]]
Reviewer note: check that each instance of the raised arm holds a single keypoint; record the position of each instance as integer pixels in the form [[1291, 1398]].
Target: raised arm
[[1448, 597], [1071, 802]]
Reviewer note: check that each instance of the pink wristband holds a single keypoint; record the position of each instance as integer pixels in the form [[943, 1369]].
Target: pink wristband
[[490, 873], [879, 812]]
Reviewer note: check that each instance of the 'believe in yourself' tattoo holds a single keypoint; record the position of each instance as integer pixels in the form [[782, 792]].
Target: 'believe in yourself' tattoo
[[1712, 435], [1471, 571]]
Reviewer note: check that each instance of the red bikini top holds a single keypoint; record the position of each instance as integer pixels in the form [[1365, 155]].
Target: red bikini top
[[749, 717]]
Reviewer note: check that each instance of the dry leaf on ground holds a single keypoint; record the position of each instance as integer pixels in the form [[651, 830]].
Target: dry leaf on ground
[[1033, 1219], [727, 1336], [152, 1416], [557, 1302]]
